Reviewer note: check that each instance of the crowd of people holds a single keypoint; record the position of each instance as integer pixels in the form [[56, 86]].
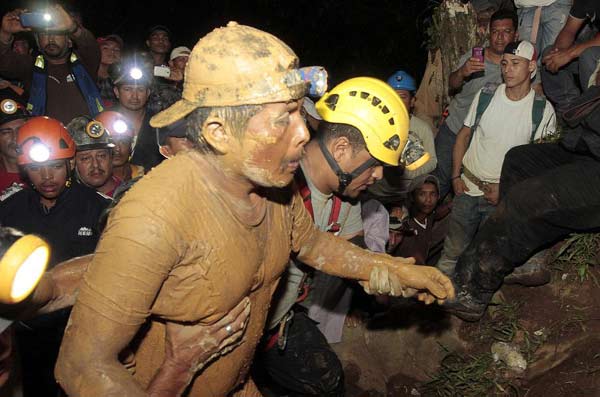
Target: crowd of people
[[207, 194]]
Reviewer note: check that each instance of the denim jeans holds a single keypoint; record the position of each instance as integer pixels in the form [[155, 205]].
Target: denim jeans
[[563, 87], [444, 143], [546, 193], [468, 214], [553, 18]]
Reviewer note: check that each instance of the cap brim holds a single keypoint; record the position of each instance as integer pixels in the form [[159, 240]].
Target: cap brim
[[175, 112]]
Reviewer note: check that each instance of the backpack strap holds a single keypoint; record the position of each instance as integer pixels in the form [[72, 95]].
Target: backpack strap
[[537, 114], [485, 97], [333, 225]]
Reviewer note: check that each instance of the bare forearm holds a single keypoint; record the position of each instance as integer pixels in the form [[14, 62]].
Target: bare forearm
[[577, 49], [456, 79], [459, 150]]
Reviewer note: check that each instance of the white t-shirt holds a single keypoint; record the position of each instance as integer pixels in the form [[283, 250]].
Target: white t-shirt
[[533, 3], [504, 125]]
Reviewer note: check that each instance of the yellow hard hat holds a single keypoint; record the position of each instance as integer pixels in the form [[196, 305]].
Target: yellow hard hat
[[371, 106]]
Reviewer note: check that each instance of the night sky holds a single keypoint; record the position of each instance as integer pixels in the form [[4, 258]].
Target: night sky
[[348, 37]]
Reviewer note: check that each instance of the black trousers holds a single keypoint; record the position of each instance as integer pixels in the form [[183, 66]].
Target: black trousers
[[547, 193], [307, 366]]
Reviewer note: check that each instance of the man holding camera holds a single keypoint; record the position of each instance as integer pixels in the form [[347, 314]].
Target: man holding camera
[[465, 82], [61, 81]]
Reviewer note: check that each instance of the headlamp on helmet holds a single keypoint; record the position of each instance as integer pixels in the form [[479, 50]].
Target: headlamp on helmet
[[39, 152], [136, 73], [119, 126], [316, 76]]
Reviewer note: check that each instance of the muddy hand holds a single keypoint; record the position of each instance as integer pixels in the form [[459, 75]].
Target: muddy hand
[[426, 282], [194, 345], [431, 283], [382, 282]]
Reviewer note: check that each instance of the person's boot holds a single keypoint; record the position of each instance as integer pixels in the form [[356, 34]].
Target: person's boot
[[532, 273], [465, 306]]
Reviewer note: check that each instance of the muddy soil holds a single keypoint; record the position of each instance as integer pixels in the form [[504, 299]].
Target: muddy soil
[[558, 331]]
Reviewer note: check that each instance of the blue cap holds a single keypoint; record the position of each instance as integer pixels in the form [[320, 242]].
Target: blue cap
[[402, 81]]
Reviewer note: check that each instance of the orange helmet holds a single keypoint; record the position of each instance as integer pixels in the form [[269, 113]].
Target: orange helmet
[[115, 123], [43, 139]]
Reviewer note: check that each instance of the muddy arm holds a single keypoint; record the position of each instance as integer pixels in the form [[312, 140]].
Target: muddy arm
[[337, 257], [58, 287]]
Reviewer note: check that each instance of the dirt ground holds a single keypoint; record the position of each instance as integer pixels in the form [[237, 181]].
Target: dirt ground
[[555, 327]]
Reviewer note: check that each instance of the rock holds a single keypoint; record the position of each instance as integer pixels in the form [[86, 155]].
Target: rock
[[510, 355]]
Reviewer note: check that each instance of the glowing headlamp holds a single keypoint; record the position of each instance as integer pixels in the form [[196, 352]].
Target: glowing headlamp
[[414, 154], [136, 73], [22, 264], [39, 152], [119, 127], [47, 17], [317, 77]]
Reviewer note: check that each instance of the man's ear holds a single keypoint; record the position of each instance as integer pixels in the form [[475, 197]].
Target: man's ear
[[340, 148], [532, 66], [116, 91], [69, 42], [165, 151], [148, 43], [170, 64], [217, 134]]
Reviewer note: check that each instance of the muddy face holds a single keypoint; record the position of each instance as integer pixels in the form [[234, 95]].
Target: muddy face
[[273, 144]]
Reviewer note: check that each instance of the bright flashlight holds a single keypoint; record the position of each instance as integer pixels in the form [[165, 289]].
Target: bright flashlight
[[136, 73], [120, 126], [39, 153], [47, 17], [22, 265]]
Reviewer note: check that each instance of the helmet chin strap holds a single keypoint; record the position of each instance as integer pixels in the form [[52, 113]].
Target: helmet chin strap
[[344, 178]]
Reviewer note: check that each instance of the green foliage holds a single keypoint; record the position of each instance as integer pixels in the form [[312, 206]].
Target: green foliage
[[578, 254], [469, 376]]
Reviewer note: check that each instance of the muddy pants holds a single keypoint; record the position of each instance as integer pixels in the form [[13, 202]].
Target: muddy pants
[[546, 193], [307, 366]]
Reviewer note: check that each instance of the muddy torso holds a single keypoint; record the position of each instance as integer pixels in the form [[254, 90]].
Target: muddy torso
[[183, 255]]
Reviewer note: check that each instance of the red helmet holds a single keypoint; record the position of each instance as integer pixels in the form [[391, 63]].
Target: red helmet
[[43, 139], [115, 123]]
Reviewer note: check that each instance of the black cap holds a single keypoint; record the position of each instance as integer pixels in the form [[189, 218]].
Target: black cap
[[12, 107], [162, 28], [177, 130]]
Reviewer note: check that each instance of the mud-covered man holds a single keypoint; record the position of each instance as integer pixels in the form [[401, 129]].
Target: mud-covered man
[[221, 229]]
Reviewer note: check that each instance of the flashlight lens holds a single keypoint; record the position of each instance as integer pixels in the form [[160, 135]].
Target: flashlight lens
[[39, 153], [136, 73], [29, 273], [120, 126], [47, 17]]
